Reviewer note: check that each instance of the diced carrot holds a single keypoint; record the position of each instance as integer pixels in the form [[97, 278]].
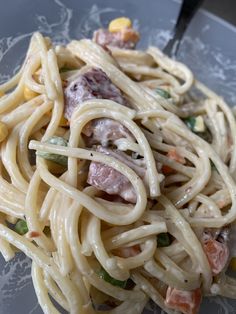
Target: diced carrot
[[167, 170], [173, 154], [127, 251], [128, 34], [33, 234], [217, 254], [187, 302]]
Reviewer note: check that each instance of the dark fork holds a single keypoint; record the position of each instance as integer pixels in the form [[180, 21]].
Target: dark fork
[[187, 12]]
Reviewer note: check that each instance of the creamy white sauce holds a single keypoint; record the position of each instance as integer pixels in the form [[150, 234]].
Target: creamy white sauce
[[15, 275]]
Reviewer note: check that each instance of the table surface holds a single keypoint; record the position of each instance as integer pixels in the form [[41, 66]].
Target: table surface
[[225, 9]]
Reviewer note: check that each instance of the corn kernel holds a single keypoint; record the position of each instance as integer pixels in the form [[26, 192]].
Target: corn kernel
[[118, 24], [63, 121], [199, 125], [3, 131], [29, 93], [233, 263], [1, 94]]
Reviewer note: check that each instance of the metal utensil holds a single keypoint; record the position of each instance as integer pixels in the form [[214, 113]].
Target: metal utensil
[[187, 12]]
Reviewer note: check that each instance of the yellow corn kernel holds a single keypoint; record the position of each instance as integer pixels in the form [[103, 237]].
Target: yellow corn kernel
[[63, 121], [233, 263], [3, 131], [118, 24], [199, 125], [29, 93], [1, 93]]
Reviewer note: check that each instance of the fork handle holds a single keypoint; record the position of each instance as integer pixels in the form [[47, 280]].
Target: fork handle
[[187, 11]]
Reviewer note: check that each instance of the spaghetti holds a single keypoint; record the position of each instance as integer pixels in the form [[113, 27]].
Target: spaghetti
[[131, 195]]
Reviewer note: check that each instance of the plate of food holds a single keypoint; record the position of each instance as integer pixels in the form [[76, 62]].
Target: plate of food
[[117, 181]]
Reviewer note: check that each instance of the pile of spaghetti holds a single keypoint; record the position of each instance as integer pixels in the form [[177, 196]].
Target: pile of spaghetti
[[117, 177]]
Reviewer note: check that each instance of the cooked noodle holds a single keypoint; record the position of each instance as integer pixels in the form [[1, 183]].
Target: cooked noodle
[[73, 230]]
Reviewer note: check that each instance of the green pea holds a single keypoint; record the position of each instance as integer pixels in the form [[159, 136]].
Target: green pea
[[21, 227], [190, 122], [105, 276], [163, 93], [59, 159], [163, 239]]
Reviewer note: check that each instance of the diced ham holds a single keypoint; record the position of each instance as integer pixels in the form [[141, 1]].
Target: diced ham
[[137, 165], [93, 84], [124, 39], [126, 252], [112, 182], [113, 198], [216, 248], [104, 131], [187, 302], [219, 234]]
